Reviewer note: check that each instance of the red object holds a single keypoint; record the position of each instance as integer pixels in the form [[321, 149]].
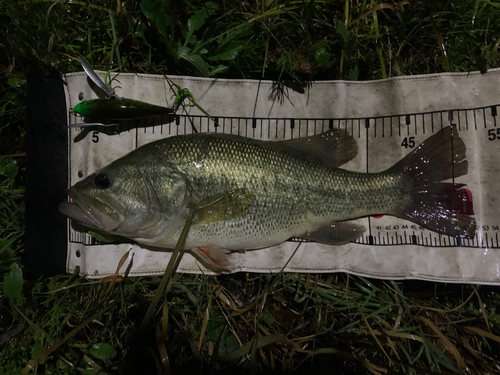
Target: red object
[[464, 201]]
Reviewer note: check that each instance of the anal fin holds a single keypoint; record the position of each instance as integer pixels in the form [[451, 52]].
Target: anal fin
[[338, 233]]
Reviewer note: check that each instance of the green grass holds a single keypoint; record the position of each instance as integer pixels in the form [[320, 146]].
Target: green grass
[[289, 323], [325, 322], [11, 212]]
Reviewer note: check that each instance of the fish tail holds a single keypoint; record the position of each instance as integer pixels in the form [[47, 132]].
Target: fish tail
[[432, 204]]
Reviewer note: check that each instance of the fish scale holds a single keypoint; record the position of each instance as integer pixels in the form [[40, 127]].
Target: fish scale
[[292, 195]]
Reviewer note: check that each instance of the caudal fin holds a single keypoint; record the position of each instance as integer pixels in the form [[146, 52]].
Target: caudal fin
[[440, 207]]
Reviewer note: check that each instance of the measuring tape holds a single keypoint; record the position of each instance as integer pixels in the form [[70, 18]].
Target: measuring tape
[[382, 141]]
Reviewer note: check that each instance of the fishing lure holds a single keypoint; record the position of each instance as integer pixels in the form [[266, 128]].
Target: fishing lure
[[116, 109], [119, 109]]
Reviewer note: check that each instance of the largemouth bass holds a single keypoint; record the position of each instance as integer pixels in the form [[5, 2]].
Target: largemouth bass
[[261, 193]]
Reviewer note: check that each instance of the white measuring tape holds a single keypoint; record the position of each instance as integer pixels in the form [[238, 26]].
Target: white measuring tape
[[391, 247]]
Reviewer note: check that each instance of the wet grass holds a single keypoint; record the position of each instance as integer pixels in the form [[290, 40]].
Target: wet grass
[[246, 322], [256, 323]]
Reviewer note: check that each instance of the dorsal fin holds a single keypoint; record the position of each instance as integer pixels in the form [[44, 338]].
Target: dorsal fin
[[335, 147]]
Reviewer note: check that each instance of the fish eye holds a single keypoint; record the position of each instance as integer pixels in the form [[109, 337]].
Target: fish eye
[[102, 181]]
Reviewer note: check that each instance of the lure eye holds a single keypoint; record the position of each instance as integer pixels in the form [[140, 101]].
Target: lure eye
[[102, 181]]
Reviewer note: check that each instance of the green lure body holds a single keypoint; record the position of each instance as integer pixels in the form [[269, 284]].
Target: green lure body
[[118, 109]]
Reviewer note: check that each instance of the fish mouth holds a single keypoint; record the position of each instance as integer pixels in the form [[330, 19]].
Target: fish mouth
[[92, 212]]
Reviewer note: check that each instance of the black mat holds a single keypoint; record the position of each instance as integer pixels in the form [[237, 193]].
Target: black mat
[[46, 173]]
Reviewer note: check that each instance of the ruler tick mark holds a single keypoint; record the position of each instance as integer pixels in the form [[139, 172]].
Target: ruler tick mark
[[421, 122]]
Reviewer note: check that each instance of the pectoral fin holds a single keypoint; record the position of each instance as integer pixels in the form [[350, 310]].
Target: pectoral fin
[[336, 234], [212, 257], [222, 207]]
